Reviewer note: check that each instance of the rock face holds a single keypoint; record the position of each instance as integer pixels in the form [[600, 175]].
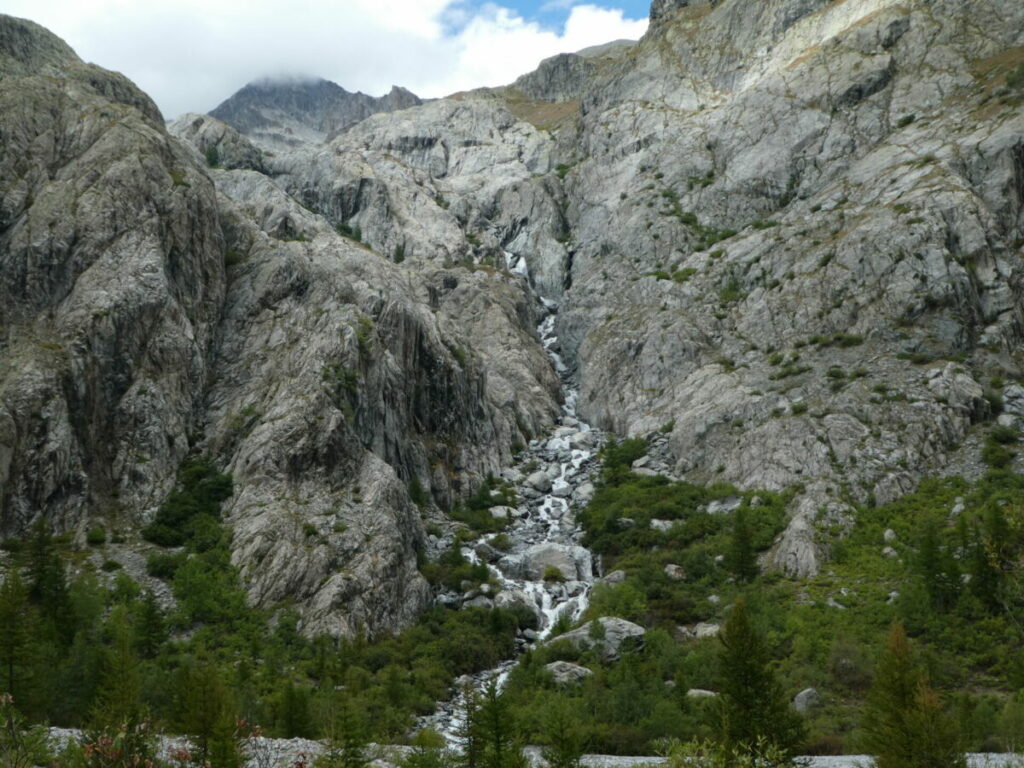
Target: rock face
[[785, 236], [152, 305], [285, 112]]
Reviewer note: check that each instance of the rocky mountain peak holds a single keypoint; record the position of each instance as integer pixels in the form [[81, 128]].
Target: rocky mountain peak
[[291, 111]]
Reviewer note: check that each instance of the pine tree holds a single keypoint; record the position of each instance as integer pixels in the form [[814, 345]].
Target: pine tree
[[118, 699], [903, 720], [937, 568], [206, 713], [17, 636], [468, 733], [150, 630], [48, 586], [741, 558], [564, 739], [346, 735], [500, 747], [753, 711]]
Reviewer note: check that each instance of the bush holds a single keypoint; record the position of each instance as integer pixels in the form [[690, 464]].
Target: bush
[[96, 537], [161, 565]]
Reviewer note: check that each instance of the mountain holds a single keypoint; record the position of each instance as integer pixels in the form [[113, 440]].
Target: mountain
[[337, 409], [786, 235], [289, 111]]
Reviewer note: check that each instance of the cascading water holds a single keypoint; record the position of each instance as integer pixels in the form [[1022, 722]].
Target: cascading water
[[544, 532]]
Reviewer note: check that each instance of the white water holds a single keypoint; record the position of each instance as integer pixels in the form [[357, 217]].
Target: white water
[[549, 519]]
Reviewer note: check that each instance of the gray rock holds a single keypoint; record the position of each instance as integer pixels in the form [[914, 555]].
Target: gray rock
[[615, 577], [561, 489], [615, 633], [706, 629], [889, 536], [675, 572], [807, 700], [700, 693], [539, 481], [565, 673], [573, 562], [662, 525], [584, 493], [724, 506]]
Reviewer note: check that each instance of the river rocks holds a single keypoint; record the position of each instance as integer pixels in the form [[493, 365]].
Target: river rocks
[[539, 481], [565, 673], [584, 493], [572, 562], [502, 513], [561, 489], [609, 639]]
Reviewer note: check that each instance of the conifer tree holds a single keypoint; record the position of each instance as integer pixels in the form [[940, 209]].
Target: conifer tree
[[469, 731], [346, 734], [753, 711], [741, 558], [118, 699], [48, 586], [903, 720], [206, 713], [564, 738], [17, 635], [500, 747]]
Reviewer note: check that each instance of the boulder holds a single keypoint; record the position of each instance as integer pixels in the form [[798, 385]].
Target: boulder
[[585, 493], [573, 562], [706, 629], [700, 693], [561, 489], [502, 513], [806, 700], [724, 506], [539, 481], [609, 639], [566, 673], [615, 577], [675, 572]]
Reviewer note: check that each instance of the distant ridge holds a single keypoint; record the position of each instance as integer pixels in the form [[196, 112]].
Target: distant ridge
[[295, 110]]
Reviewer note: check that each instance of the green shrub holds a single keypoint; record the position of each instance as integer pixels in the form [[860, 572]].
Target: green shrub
[[161, 565], [95, 537]]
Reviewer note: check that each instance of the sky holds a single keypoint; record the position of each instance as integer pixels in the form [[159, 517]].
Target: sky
[[190, 55]]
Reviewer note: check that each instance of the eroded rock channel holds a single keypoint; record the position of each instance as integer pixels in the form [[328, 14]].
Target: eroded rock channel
[[544, 567]]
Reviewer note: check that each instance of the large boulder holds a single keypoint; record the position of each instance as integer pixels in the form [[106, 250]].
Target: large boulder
[[608, 634], [574, 563], [565, 673]]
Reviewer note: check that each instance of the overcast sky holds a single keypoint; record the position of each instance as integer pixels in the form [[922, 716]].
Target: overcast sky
[[190, 55]]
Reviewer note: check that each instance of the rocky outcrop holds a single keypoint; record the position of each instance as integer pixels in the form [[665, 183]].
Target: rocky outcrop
[[609, 635], [153, 305], [565, 673], [113, 277], [290, 112]]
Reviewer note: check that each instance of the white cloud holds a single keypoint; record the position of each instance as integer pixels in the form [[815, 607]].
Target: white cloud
[[191, 54]]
